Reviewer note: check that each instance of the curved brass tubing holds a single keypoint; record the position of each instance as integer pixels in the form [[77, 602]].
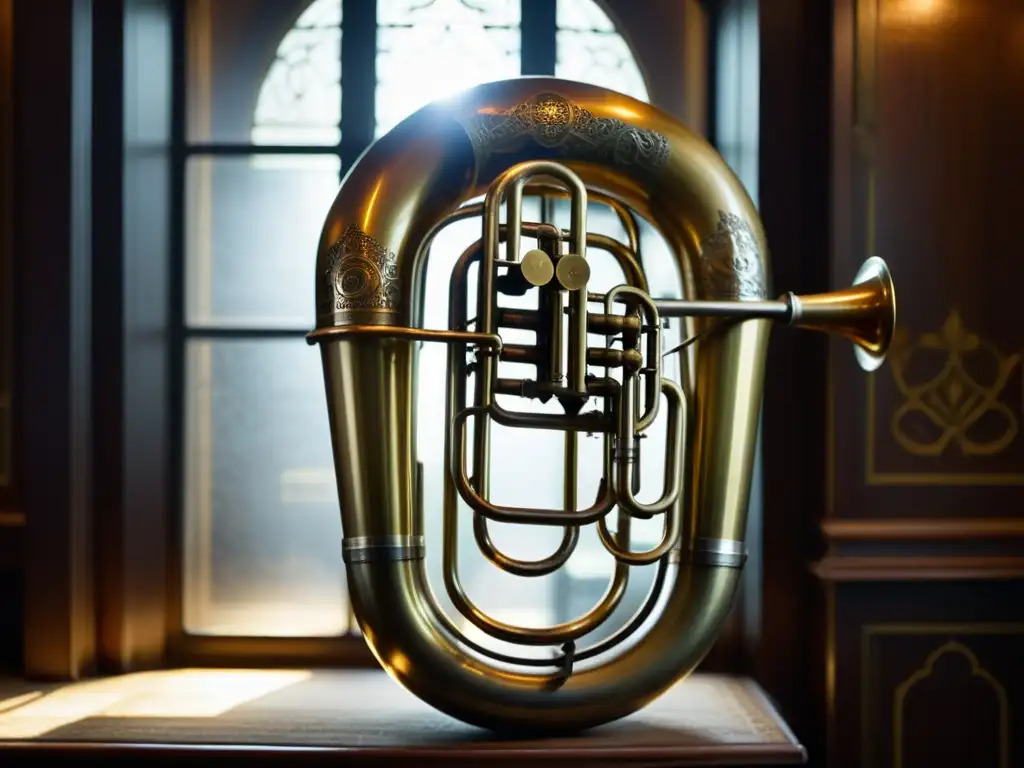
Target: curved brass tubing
[[548, 136], [408, 181], [453, 584], [626, 216], [402, 631], [458, 373]]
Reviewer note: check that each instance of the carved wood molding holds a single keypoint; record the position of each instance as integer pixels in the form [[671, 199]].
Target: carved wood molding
[[922, 529], [7, 395], [926, 568]]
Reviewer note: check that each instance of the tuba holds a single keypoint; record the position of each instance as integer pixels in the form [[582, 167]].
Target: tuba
[[598, 360]]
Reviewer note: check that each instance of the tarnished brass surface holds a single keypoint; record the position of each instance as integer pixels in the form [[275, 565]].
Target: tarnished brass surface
[[537, 267], [503, 141], [572, 272]]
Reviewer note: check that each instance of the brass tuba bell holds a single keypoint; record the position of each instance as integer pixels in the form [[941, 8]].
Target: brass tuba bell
[[500, 142]]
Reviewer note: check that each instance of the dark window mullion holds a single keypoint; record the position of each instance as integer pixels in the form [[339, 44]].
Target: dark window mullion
[[358, 78], [539, 28], [177, 299], [538, 31]]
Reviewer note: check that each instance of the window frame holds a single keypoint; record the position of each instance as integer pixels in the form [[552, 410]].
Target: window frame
[[538, 28], [120, 533]]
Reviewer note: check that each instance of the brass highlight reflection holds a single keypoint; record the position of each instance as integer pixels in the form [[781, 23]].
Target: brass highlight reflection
[[505, 141]]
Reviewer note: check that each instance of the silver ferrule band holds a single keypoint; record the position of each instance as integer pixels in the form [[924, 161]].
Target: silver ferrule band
[[796, 308], [727, 553], [365, 549]]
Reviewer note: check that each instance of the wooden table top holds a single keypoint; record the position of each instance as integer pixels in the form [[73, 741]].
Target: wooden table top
[[361, 717]]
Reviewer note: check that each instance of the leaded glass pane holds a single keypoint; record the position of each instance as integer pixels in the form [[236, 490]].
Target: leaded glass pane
[[591, 51], [582, 15], [429, 49], [262, 527], [402, 13], [426, 49], [300, 99]]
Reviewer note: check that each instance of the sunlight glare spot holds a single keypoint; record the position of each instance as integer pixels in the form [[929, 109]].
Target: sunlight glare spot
[[182, 693]]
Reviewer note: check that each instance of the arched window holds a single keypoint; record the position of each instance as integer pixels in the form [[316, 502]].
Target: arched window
[[426, 49], [262, 530]]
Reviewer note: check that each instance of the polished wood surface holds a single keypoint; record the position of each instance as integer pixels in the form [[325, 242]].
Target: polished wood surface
[[363, 717]]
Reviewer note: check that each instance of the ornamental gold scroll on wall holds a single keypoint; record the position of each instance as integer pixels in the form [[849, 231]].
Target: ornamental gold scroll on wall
[[954, 392]]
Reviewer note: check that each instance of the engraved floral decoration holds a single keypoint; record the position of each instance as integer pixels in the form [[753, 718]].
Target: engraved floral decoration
[[361, 274], [731, 261], [956, 402], [554, 122]]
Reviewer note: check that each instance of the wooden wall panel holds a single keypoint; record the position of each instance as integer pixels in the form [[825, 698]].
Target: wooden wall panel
[[52, 240], [923, 574], [928, 674], [930, 177], [7, 501], [793, 173], [12, 519]]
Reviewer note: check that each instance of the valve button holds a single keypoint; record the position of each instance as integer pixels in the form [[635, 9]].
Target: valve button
[[537, 268], [573, 272]]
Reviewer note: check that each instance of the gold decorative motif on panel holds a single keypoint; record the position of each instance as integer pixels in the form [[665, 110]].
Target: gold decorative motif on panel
[[926, 671], [871, 685], [969, 377]]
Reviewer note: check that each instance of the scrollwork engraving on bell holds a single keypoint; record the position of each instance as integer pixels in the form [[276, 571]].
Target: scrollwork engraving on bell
[[361, 274], [732, 261], [555, 122]]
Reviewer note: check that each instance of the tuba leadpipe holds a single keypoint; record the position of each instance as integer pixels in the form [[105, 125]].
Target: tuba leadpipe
[[479, 155]]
